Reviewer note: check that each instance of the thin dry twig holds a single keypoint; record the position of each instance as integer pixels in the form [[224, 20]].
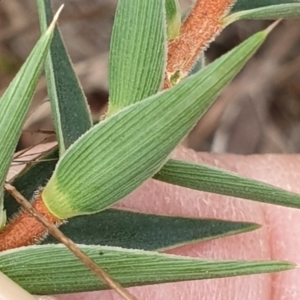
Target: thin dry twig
[[42, 131]]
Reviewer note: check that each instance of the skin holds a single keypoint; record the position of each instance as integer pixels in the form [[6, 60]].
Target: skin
[[277, 239]]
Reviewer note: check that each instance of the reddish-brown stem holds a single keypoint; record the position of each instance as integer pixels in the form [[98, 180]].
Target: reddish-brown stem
[[24, 229], [202, 25]]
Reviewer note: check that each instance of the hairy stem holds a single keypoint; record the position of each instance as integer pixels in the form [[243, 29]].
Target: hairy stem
[[200, 28], [24, 229]]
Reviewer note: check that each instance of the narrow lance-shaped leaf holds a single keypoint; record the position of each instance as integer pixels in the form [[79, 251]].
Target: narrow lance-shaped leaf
[[68, 103], [15, 103], [119, 154], [285, 11], [52, 269], [173, 15], [252, 4], [131, 230], [213, 180], [137, 52], [123, 228]]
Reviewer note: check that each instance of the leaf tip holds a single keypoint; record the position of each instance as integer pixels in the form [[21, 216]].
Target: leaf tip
[[272, 26], [55, 18], [254, 226]]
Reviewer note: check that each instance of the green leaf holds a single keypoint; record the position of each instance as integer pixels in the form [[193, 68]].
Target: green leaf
[[52, 269], [200, 64], [29, 180], [15, 103], [123, 228], [147, 232], [173, 15], [68, 103], [137, 52], [285, 11], [119, 154], [252, 4], [213, 180]]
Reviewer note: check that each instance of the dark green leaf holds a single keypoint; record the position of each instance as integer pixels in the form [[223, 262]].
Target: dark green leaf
[[27, 182], [68, 104], [147, 232]]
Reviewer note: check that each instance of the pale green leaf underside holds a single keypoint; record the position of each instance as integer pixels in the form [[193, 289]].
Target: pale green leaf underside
[[252, 4], [119, 154], [15, 102], [52, 269], [285, 11], [124, 228], [68, 103], [137, 52], [213, 180], [14, 106], [173, 15]]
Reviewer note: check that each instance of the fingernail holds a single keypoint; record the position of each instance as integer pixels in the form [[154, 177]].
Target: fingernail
[[11, 291]]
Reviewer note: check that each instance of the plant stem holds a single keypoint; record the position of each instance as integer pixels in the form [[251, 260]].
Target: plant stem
[[24, 229], [200, 28]]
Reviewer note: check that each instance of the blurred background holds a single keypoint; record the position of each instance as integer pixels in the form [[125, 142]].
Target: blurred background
[[258, 113]]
